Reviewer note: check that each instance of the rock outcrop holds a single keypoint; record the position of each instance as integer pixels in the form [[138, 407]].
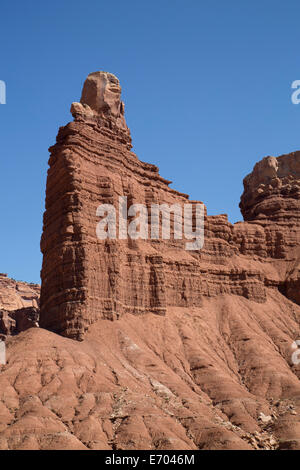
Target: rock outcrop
[[272, 192], [271, 203], [12, 322], [202, 353], [19, 305], [17, 294], [85, 279]]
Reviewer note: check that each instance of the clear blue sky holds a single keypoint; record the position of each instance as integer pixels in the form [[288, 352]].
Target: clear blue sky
[[206, 85]]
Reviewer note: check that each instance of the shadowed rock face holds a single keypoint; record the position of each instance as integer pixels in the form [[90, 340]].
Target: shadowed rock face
[[12, 322]]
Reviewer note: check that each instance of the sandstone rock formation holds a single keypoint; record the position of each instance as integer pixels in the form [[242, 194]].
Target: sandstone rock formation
[[14, 321], [85, 279], [200, 352], [271, 201], [19, 305], [17, 294]]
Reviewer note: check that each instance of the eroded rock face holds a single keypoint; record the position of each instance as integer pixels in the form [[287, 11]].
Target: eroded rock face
[[7, 324], [271, 201], [101, 101], [14, 322], [19, 305], [85, 279], [17, 294], [272, 191], [201, 354]]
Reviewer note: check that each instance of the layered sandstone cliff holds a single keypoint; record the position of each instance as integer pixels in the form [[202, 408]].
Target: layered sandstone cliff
[[271, 201], [85, 279], [202, 352]]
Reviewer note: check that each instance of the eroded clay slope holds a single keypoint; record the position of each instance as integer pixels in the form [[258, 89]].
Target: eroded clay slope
[[179, 349], [218, 376]]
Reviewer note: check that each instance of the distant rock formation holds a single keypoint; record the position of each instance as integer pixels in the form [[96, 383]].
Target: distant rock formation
[[17, 294], [271, 201], [272, 193], [13, 322], [85, 279], [19, 305]]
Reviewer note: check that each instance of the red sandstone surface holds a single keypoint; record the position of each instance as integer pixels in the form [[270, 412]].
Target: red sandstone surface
[[178, 349], [19, 303]]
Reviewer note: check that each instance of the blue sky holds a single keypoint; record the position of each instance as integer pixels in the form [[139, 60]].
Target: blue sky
[[206, 85]]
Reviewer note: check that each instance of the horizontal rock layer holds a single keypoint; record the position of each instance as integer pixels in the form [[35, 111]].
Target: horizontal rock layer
[[19, 305], [85, 279], [17, 294], [203, 353]]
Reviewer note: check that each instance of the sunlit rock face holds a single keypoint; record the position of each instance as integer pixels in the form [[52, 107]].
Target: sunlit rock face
[[102, 93], [19, 303], [101, 98], [201, 352], [272, 190], [85, 279], [271, 201]]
